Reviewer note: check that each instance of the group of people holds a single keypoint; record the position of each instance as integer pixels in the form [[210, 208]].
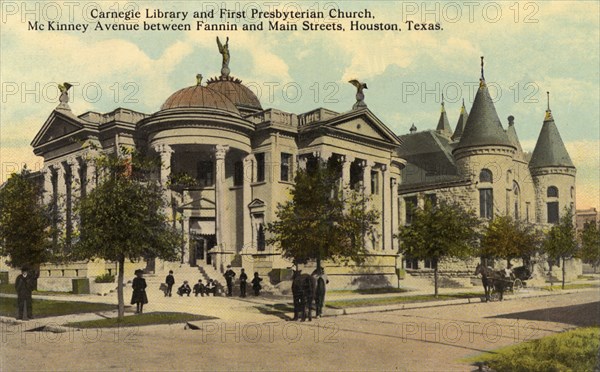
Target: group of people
[[230, 275], [211, 287]]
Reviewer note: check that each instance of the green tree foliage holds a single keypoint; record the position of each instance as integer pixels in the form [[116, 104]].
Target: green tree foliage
[[590, 244], [561, 242], [507, 238], [436, 232], [322, 222], [122, 217], [25, 223]]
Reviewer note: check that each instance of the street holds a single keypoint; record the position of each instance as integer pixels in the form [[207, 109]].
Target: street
[[435, 338]]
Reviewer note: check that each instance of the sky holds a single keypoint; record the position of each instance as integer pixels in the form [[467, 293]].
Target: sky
[[530, 47]]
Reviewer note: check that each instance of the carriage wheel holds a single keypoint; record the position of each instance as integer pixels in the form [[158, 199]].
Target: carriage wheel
[[517, 285]]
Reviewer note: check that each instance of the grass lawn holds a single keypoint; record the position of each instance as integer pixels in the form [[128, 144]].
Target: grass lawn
[[9, 288], [575, 350], [369, 291], [140, 320], [399, 299], [45, 308], [558, 286]]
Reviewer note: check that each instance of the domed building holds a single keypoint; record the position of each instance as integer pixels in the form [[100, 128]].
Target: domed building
[[226, 162]]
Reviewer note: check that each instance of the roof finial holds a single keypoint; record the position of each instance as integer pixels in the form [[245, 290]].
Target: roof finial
[[443, 103], [413, 128], [482, 78], [548, 112], [463, 109], [199, 79]]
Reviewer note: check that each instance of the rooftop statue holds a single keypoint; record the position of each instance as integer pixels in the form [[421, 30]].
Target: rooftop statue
[[360, 97], [224, 50], [64, 95]]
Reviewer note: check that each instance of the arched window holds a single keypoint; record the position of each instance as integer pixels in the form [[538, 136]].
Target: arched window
[[552, 192], [485, 176], [517, 192], [572, 192]]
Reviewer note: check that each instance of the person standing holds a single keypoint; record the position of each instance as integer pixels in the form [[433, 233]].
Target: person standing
[[256, 284], [229, 275], [320, 278], [243, 282], [170, 280], [139, 297], [24, 285]]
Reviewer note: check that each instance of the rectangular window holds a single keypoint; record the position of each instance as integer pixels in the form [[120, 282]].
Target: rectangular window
[[205, 173], [238, 173], [411, 204], [486, 203], [286, 167], [553, 212], [411, 263], [527, 211], [429, 264], [261, 242], [432, 198], [374, 182], [260, 166]]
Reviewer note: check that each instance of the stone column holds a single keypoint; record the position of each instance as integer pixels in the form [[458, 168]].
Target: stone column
[[221, 223], [185, 257], [386, 208], [75, 184], [91, 178], [367, 166], [347, 161], [395, 216], [48, 185], [246, 200], [166, 153]]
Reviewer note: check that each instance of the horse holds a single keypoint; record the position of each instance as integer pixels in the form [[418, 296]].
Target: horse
[[491, 280], [303, 291]]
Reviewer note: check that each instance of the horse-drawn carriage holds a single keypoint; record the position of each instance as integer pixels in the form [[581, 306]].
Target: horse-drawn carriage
[[496, 282]]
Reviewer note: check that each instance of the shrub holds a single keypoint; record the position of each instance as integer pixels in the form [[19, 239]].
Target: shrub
[[105, 278]]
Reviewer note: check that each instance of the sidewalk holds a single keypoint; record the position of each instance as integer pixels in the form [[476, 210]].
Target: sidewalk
[[266, 308]]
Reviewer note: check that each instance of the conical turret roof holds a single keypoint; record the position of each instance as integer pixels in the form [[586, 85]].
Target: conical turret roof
[[462, 121], [511, 132], [550, 151], [443, 126], [483, 127]]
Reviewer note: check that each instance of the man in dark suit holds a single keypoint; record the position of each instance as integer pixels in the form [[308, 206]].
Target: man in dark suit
[[24, 285], [243, 282], [229, 275], [170, 280]]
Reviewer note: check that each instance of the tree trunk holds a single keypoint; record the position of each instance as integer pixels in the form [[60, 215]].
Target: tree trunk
[[319, 263], [563, 273], [435, 277], [120, 278]]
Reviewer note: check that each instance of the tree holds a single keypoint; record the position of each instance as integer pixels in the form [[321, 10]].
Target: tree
[[561, 242], [507, 238], [321, 221], [25, 222], [590, 244], [122, 217], [436, 232]]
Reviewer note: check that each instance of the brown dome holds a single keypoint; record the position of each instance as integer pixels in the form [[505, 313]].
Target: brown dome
[[199, 96], [237, 92]]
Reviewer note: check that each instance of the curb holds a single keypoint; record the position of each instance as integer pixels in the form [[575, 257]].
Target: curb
[[427, 304]]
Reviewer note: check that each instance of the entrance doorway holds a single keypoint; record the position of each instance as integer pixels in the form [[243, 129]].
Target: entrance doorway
[[202, 246]]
